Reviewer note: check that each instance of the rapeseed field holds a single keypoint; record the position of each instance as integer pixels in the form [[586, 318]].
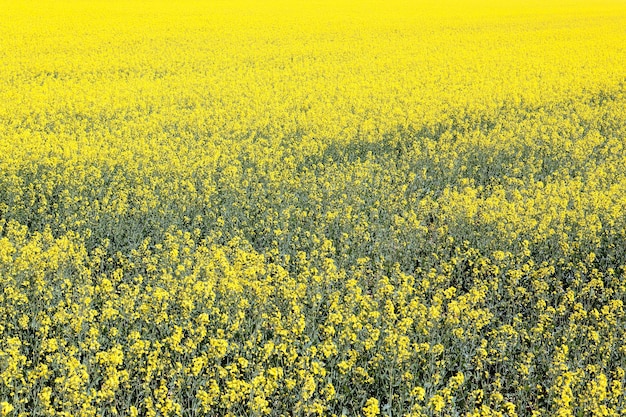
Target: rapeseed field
[[312, 208]]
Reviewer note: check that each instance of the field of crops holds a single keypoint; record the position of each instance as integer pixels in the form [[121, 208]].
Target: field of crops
[[324, 207]]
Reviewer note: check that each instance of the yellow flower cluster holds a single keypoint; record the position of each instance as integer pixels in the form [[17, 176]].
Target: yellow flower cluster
[[333, 208]]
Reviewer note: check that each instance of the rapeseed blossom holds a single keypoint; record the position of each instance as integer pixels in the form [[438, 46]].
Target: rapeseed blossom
[[291, 208]]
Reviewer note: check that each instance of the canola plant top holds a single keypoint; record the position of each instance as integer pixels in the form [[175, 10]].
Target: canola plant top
[[328, 69]]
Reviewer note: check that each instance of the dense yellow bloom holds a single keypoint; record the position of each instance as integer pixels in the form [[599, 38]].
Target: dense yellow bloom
[[5, 408], [371, 408], [312, 208]]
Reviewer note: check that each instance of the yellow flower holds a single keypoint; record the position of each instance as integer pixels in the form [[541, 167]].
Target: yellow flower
[[418, 393], [437, 402], [309, 387], [5, 408], [371, 408]]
